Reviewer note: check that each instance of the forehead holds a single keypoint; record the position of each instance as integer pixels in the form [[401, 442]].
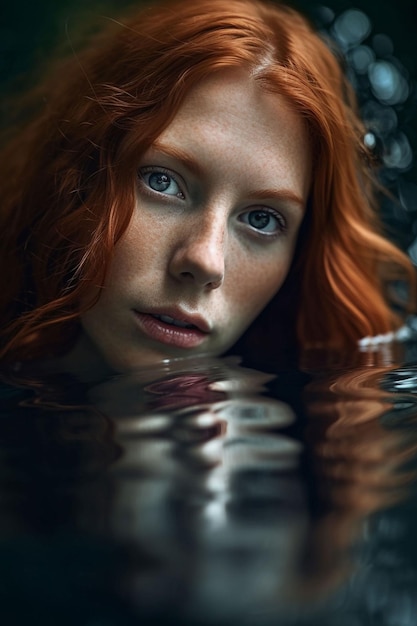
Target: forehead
[[230, 117]]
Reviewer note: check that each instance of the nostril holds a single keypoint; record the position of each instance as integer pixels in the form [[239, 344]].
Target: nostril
[[187, 275], [216, 283], [211, 284]]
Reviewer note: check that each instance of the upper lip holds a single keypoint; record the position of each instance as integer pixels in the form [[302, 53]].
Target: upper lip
[[196, 320]]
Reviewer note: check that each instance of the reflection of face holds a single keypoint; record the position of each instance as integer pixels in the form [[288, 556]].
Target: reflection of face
[[220, 198]]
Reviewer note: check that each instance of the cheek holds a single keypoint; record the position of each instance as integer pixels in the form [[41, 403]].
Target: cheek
[[255, 282], [135, 255]]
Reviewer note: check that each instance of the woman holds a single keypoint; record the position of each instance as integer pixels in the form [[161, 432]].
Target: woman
[[194, 176]]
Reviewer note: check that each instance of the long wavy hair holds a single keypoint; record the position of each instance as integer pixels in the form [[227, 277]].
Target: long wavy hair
[[68, 174]]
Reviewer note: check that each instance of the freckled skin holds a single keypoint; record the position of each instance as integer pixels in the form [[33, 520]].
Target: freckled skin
[[197, 251]]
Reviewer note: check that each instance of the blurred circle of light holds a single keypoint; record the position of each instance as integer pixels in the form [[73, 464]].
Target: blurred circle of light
[[325, 14], [369, 140], [398, 153], [361, 58], [387, 83], [382, 44], [407, 192], [380, 118], [412, 252], [352, 27]]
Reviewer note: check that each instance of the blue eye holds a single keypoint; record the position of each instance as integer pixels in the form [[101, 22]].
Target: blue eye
[[264, 221], [161, 182]]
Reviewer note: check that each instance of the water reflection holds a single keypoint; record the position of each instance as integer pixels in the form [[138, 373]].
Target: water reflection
[[361, 462], [206, 492]]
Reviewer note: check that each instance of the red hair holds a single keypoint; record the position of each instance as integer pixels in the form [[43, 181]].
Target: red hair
[[69, 174]]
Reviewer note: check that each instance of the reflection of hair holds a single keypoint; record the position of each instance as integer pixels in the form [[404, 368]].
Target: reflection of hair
[[357, 464], [68, 176], [365, 462]]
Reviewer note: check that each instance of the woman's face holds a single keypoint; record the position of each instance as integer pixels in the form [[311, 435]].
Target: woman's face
[[220, 199]]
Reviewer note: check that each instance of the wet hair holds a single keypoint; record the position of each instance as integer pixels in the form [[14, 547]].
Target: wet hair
[[68, 175]]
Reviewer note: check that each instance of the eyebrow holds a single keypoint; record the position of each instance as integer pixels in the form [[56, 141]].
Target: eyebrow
[[180, 156], [286, 195]]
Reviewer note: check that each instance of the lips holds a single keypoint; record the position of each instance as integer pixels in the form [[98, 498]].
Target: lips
[[173, 328], [181, 319], [173, 322]]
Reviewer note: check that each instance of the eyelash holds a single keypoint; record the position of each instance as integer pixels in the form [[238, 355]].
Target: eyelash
[[281, 221], [282, 224], [159, 170]]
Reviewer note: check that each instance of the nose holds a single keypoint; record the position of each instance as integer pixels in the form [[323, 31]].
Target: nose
[[199, 256]]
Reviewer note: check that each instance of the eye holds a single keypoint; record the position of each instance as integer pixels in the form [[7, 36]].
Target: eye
[[264, 221], [161, 181]]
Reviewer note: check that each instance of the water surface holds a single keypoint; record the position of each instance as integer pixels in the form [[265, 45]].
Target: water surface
[[206, 492]]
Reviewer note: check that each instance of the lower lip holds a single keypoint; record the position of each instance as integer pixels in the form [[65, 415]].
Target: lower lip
[[168, 334]]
